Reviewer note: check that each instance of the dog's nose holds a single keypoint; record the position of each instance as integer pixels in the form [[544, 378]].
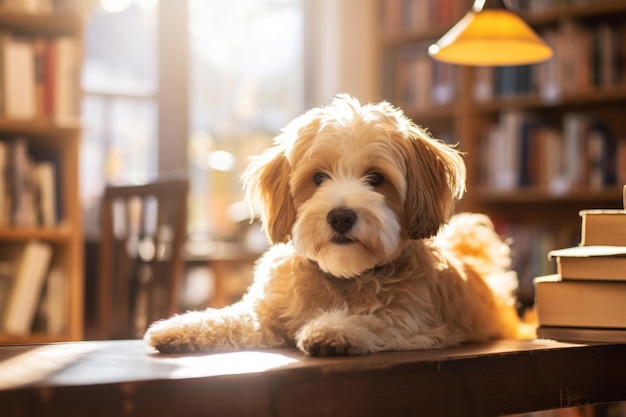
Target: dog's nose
[[341, 219]]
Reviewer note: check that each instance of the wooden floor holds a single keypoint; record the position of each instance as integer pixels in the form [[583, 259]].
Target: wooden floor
[[118, 378]]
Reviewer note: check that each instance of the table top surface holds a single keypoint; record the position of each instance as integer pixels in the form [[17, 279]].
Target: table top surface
[[482, 379], [102, 362]]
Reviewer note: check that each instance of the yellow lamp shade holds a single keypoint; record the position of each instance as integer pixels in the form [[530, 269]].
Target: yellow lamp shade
[[490, 37]]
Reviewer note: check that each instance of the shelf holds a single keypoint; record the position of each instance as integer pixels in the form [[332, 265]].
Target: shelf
[[38, 127], [61, 234], [534, 196], [581, 11], [435, 112], [535, 101], [417, 35], [40, 24], [36, 338]]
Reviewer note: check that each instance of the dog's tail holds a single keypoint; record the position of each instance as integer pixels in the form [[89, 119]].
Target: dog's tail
[[472, 238]]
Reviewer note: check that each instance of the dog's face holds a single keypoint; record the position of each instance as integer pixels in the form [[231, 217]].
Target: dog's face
[[350, 184]]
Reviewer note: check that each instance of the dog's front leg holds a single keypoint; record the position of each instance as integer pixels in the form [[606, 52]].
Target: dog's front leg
[[211, 330], [337, 332]]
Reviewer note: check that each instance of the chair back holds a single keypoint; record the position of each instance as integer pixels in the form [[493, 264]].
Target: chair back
[[141, 260]]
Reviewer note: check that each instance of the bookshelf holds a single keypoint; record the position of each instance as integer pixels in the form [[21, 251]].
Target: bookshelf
[[48, 124], [528, 187]]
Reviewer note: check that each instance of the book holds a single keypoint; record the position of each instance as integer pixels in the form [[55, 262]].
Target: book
[[52, 311], [591, 262], [582, 334], [70, 7], [40, 49], [66, 101], [592, 304], [48, 176], [50, 75], [575, 128], [5, 202], [32, 263], [603, 227], [28, 6], [21, 186], [45, 173], [56, 301], [18, 85], [6, 273]]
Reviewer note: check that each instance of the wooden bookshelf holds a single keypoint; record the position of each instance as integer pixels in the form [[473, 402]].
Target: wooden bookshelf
[[48, 133], [466, 117]]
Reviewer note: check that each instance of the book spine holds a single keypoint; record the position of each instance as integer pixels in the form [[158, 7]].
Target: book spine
[[29, 185], [31, 269], [525, 152]]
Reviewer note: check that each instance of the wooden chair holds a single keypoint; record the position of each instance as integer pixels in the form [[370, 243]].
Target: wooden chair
[[141, 262]]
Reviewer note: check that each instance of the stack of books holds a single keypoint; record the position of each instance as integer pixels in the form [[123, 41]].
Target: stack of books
[[586, 300]]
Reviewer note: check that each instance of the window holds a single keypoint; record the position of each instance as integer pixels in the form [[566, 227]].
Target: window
[[245, 83], [119, 110]]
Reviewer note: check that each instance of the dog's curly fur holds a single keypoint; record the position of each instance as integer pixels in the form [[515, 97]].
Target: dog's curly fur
[[354, 199]]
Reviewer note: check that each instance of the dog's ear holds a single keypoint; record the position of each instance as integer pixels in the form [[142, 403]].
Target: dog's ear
[[266, 181], [435, 179]]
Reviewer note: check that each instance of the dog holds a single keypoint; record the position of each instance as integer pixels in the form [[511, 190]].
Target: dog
[[356, 201]]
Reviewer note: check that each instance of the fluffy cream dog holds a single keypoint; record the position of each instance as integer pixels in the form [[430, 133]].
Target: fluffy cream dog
[[353, 198]]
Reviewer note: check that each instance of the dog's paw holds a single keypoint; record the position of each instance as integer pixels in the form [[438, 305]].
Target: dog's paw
[[185, 333], [336, 332], [326, 343]]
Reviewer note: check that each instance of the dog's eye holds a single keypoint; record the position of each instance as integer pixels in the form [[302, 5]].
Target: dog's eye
[[320, 177], [374, 179]]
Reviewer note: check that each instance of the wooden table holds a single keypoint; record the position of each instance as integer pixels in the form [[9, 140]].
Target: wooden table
[[119, 378]]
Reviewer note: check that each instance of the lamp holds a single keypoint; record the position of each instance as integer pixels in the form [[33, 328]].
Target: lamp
[[490, 34]]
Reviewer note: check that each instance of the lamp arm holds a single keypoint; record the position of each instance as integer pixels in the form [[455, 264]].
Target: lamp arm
[[491, 4]]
